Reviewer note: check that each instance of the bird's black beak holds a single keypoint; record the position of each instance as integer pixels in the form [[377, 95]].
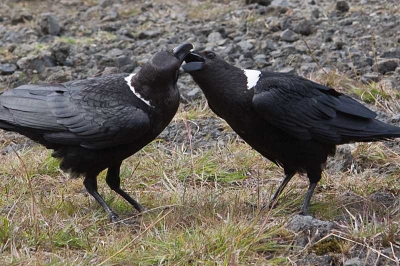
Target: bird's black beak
[[194, 61], [182, 50]]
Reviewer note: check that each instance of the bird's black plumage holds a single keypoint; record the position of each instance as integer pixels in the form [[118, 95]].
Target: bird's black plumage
[[94, 124], [292, 121]]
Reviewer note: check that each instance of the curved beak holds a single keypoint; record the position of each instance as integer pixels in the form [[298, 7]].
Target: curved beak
[[182, 50], [194, 61]]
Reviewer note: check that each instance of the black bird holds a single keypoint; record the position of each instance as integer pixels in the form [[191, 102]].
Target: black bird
[[292, 121], [96, 123]]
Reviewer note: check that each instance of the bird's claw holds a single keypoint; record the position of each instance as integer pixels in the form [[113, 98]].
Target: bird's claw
[[114, 217]]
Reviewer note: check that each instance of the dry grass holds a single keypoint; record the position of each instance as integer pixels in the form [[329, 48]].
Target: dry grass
[[198, 205]]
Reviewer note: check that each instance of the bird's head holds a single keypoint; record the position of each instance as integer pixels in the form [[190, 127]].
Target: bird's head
[[205, 63], [207, 67], [163, 67]]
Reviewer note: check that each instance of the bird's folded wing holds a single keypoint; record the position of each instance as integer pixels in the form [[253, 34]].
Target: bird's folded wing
[[307, 110], [76, 115]]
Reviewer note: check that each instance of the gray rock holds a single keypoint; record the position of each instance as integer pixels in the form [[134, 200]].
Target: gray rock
[[353, 262], [387, 65], [20, 16], [260, 2], [105, 61], [38, 63], [306, 68], [391, 53], [214, 37], [57, 75], [304, 27], [148, 34], [105, 3], [112, 15], [343, 158], [260, 60], [7, 69], [342, 6], [314, 260], [274, 23], [60, 52], [110, 71], [315, 13], [384, 198], [289, 36], [123, 60], [49, 24], [289, 70], [370, 77], [281, 3], [115, 52], [307, 228], [245, 46]]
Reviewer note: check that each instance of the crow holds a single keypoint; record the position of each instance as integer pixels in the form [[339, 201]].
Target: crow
[[96, 123], [292, 121]]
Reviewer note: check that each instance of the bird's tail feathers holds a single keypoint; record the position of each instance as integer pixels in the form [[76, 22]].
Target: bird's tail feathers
[[375, 131]]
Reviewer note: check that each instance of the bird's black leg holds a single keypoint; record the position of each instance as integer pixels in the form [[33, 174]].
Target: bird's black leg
[[304, 209], [113, 181], [90, 184], [285, 181]]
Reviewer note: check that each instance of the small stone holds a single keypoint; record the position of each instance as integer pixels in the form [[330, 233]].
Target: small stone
[[392, 53], [289, 36], [105, 3], [60, 52], [148, 34], [36, 63], [115, 52], [384, 198], [315, 13], [214, 37], [281, 3], [342, 6], [245, 46], [7, 69], [304, 27], [387, 65], [57, 75], [308, 227], [289, 70], [123, 60], [370, 77], [260, 2], [353, 262], [20, 16], [314, 260], [49, 25], [110, 71]]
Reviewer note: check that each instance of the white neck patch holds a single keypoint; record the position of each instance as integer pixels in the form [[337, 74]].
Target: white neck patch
[[128, 81], [252, 77]]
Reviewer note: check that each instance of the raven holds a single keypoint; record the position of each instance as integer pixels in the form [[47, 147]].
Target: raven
[[96, 123], [290, 120]]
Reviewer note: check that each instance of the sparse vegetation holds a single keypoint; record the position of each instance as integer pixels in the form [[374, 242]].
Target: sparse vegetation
[[201, 199], [198, 208]]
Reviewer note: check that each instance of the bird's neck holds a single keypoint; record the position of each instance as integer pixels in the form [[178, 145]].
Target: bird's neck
[[226, 92]]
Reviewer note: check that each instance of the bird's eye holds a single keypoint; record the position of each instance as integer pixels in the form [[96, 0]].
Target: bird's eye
[[210, 55]]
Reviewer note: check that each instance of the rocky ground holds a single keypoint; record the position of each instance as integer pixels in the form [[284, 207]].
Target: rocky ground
[[58, 41]]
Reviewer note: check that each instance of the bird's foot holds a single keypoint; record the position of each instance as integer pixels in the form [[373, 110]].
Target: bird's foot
[[305, 213], [114, 217], [271, 205], [141, 209]]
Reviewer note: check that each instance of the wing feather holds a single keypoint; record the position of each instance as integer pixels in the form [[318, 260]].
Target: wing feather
[[307, 110], [84, 113]]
